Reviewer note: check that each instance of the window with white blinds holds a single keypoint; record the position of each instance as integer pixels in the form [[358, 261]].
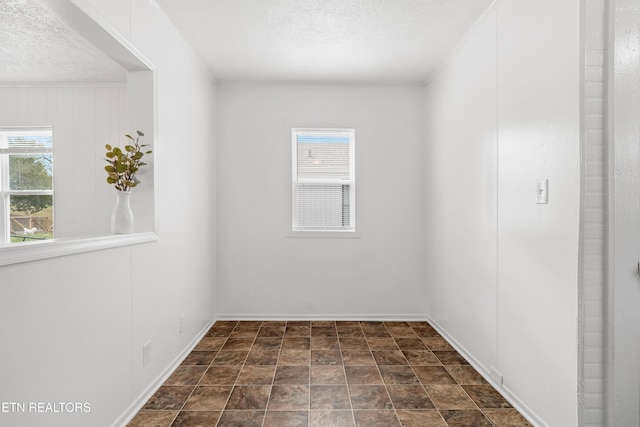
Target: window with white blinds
[[26, 184], [323, 179]]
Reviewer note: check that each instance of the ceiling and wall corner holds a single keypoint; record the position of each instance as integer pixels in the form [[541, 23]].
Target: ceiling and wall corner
[[38, 47]]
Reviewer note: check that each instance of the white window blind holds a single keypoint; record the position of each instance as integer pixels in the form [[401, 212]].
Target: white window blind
[[323, 179]]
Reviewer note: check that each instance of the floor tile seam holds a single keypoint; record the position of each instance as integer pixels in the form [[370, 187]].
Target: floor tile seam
[[449, 372], [477, 407], [487, 417], [423, 386], [527, 423], [393, 406], [309, 381], [492, 424], [235, 383], [500, 409], [175, 418], [197, 383], [435, 405], [185, 401], [353, 414], [470, 398], [439, 411], [217, 351], [275, 372]]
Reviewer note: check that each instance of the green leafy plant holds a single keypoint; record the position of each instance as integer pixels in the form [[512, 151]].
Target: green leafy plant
[[123, 164]]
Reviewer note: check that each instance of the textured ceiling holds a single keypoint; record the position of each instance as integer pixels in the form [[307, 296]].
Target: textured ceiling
[[324, 40], [37, 47]]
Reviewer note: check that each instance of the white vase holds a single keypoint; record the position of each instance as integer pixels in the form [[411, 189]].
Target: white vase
[[122, 215]]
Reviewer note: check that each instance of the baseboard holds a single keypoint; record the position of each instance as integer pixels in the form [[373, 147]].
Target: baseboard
[[486, 373], [139, 402], [342, 317]]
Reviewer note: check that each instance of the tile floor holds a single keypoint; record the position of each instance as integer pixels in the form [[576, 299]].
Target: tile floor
[[325, 373]]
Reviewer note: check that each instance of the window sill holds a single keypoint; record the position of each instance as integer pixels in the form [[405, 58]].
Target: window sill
[[17, 253], [323, 234]]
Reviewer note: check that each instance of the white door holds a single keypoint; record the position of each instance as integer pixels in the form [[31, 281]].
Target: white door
[[624, 249]]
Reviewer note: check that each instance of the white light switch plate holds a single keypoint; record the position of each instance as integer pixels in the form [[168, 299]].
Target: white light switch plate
[[543, 192]]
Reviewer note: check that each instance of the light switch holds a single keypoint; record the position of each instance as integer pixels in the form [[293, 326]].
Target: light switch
[[543, 192]]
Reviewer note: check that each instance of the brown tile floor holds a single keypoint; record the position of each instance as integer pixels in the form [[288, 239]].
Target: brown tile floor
[[325, 373]]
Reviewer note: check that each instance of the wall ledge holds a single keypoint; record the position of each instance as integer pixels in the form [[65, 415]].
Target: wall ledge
[[17, 253]]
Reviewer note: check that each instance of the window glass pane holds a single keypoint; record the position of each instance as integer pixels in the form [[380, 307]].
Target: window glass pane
[[323, 156], [29, 139], [323, 190], [31, 172], [31, 217]]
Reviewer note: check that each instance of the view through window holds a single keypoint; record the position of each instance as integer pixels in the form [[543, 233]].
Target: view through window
[[26, 184], [323, 179]]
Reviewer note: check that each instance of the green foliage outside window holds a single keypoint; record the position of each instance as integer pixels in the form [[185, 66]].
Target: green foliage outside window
[[30, 172]]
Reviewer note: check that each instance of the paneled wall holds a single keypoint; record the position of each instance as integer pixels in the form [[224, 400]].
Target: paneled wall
[[76, 325], [84, 119], [502, 271]]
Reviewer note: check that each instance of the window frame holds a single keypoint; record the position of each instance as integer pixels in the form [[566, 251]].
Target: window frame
[[5, 185], [354, 226]]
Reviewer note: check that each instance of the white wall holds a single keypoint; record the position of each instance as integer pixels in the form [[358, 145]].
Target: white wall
[[75, 325], [461, 192], [509, 101], [623, 291], [263, 273], [85, 118]]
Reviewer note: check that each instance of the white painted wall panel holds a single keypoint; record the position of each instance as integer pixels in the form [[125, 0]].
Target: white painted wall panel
[[85, 166], [264, 273], [539, 138], [66, 338], [461, 194], [526, 327], [623, 291]]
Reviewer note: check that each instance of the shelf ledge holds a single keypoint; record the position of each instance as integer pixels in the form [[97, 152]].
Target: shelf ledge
[[17, 253]]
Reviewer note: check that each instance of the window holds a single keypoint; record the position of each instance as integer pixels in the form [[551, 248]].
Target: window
[[26, 184], [323, 190]]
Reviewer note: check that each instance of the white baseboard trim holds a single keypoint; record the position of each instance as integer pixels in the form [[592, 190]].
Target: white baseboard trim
[[139, 402], [486, 373], [343, 317]]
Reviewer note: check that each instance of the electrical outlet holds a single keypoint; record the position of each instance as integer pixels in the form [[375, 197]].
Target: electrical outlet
[[182, 323], [146, 354], [496, 376]]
